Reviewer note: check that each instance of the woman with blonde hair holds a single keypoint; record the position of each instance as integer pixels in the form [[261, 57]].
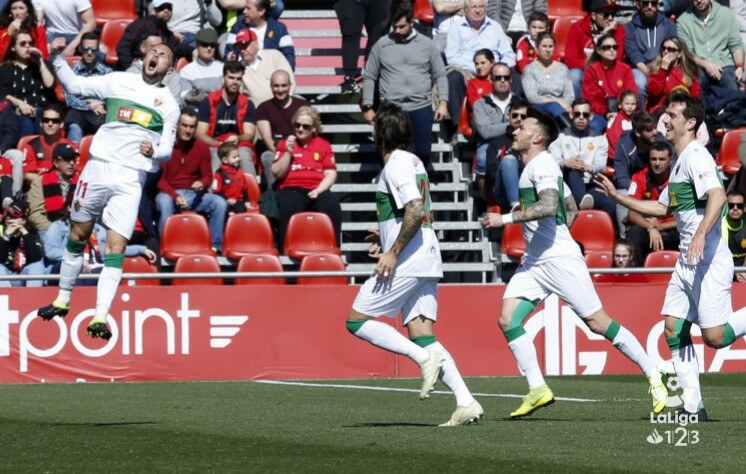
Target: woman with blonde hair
[[673, 69]]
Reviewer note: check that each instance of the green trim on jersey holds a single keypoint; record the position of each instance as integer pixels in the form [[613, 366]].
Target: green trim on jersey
[[127, 111], [386, 204], [683, 197], [529, 197]]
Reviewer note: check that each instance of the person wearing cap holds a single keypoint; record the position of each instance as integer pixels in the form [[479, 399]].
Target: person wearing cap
[[712, 34], [50, 195], [271, 34], [260, 64], [21, 249], [69, 19], [205, 73], [37, 155], [189, 16], [581, 40], [85, 115], [128, 48]]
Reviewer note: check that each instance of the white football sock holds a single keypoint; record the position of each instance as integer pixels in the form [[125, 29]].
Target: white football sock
[[450, 376], [737, 321], [108, 283], [687, 370], [386, 337], [72, 265], [525, 354], [628, 345]]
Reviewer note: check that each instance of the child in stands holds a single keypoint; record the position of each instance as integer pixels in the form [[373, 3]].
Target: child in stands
[[229, 180]]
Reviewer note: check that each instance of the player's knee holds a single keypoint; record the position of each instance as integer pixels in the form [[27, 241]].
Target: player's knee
[[503, 321], [713, 340]]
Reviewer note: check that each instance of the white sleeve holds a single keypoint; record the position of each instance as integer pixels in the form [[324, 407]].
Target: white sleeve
[[402, 182], [663, 198], [703, 174], [165, 146], [93, 86], [545, 178]]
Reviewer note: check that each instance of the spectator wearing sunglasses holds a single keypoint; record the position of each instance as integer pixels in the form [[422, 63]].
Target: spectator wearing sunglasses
[[271, 34], [38, 154], [85, 115], [584, 35], [205, 73], [21, 15], [734, 230], [305, 171], [645, 34]]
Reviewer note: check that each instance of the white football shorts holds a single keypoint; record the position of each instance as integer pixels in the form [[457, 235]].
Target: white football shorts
[[413, 296]]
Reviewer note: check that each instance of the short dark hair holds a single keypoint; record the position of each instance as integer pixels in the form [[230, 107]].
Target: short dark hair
[[538, 16], [89, 35], [265, 5], [226, 148], [642, 120], [401, 9], [54, 107], [393, 129], [519, 103], [487, 53], [549, 129], [694, 108], [189, 112], [735, 192], [232, 67], [663, 146], [581, 101]]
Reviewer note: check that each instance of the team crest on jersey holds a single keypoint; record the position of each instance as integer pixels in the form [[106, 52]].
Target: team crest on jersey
[[743, 243], [316, 156], [591, 147], [620, 83], [158, 102], [76, 205]]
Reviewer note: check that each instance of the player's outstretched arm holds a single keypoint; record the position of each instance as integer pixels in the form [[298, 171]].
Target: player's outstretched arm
[[414, 213], [93, 86], [648, 208]]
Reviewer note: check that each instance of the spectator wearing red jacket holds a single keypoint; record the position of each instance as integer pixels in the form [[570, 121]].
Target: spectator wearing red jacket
[[674, 68], [622, 121], [21, 15], [37, 154], [584, 35], [229, 180], [526, 49]]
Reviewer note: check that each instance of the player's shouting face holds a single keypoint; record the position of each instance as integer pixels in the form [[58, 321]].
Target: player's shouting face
[[156, 63]]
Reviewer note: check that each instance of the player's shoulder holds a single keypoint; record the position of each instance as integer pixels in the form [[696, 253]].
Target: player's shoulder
[[400, 160]]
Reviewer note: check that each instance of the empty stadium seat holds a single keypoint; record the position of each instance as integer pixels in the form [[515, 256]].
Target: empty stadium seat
[[661, 259], [185, 234], [599, 260], [594, 230], [181, 63], [310, 233], [561, 30], [105, 10], [248, 234], [84, 148], [25, 141], [513, 243], [140, 264], [260, 263], [464, 125], [195, 264], [728, 156], [322, 263], [565, 8], [255, 192], [111, 33], [423, 11]]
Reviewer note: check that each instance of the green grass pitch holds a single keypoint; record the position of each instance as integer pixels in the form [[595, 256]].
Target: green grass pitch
[[261, 427]]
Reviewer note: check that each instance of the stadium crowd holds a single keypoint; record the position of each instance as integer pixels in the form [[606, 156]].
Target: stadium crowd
[[605, 82]]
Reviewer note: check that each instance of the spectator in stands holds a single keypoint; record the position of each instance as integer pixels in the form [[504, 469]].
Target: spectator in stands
[[156, 24], [504, 166], [583, 37], [605, 77], [734, 232], [623, 257], [21, 15], [27, 82], [10, 158], [38, 154], [582, 152], [644, 35], [260, 64], [227, 115], [712, 34], [205, 73], [20, 247], [446, 13], [270, 34], [546, 82], [229, 181], [527, 47], [739, 11], [352, 15], [466, 36], [674, 68], [274, 119], [172, 79], [190, 16], [186, 180], [86, 115], [69, 19], [514, 15], [491, 117], [648, 234], [622, 121], [403, 66], [52, 193], [481, 84], [305, 169]]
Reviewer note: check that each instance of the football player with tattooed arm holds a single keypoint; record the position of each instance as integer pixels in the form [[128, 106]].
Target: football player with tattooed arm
[[409, 266], [553, 263]]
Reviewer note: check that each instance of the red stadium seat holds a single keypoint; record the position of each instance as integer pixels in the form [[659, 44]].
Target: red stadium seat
[[105, 10], [185, 234], [25, 141], [464, 125], [248, 234], [595, 230], [255, 192], [111, 33], [310, 233], [181, 63], [423, 11], [565, 8], [140, 265], [194, 264], [730, 151], [599, 260], [513, 243], [322, 263], [260, 263], [661, 259], [561, 30], [84, 148]]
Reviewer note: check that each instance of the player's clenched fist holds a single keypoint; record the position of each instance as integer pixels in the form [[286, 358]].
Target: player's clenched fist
[[57, 45], [146, 148], [492, 219]]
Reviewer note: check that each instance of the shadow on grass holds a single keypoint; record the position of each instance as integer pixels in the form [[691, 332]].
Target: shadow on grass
[[120, 423], [389, 425]]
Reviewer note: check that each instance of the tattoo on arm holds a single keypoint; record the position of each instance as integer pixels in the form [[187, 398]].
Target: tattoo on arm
[[414, 212], [546, 206], [571, 209]]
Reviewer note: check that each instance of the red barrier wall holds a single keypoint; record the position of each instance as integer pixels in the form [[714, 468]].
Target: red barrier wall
[[232, 332]]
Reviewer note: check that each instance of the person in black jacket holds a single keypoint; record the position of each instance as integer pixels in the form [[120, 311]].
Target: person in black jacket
[[128, 48], [20, 248]]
